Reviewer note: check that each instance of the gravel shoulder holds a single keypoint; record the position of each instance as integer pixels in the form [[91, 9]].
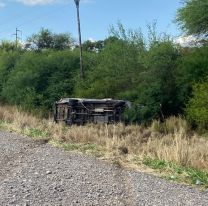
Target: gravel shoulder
[[34, 173]]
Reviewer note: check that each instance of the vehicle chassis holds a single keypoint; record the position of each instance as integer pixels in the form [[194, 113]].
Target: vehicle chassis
[[82, 111]]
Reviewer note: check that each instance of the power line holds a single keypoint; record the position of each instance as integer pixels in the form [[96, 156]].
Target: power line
[[37, 18], [16, 16], [16, 36]]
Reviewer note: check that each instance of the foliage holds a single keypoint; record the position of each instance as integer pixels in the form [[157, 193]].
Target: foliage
[[197, 107], [39, 79], [157, 88], [192, 68], [114, 74], [93, 46], [45, 39], [193, 17], [8, 60], [7, 46]]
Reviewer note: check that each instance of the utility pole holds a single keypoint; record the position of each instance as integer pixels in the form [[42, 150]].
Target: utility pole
[[16, 36], [80, 39]]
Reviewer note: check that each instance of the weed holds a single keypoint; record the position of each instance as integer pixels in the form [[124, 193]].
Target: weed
[[154, 164], [177, 172], [89, 147], [198, 177], [3, 124], [71, 147], [36, 133], [84, 148]]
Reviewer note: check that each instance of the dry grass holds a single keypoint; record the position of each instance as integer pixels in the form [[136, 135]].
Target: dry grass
[[170, 141]]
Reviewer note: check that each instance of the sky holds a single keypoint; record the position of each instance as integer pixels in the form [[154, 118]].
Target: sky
[[59, 16]]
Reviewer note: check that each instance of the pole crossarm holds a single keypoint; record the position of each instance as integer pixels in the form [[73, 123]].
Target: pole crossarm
[[16, 36]]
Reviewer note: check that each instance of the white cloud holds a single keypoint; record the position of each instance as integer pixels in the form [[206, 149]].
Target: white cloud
[[186, 41], [91, 39], [45, 2], [37, 2]]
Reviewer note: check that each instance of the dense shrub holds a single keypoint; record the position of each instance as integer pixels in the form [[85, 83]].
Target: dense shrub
[[8, 60], [38, 79], [157, 87], [192, 68], [197, 108]]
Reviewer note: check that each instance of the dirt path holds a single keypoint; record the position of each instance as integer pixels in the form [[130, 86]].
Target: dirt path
[[38, 174]]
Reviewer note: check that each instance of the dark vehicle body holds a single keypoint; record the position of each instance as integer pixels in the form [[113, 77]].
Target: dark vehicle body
[[82, 111]]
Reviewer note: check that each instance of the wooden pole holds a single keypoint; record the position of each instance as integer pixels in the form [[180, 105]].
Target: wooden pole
[[80, 40]]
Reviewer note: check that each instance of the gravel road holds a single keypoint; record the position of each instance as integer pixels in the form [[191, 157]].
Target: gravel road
[[37, 174]]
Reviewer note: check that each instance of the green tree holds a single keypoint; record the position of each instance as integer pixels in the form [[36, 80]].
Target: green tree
[[93, 46], [45, 39], [62, 41], [193, 17], [157, 86], [192, 68], [116, 72]]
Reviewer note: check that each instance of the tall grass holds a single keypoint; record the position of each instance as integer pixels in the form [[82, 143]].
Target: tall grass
[[171, 141]]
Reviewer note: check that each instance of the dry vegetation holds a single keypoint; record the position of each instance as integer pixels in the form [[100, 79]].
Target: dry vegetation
[[170, 141]]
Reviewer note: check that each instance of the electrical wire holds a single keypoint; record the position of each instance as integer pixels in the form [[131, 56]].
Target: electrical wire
[[52, 13], [15, 16]]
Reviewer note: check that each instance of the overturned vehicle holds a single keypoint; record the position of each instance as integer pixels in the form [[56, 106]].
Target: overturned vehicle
[[82, 111]]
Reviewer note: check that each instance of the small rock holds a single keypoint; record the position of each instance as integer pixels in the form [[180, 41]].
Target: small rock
[[48, 172], [198, 182]]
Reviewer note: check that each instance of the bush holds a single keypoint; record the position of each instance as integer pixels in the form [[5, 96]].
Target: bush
[[39, 79], [197, 107]]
